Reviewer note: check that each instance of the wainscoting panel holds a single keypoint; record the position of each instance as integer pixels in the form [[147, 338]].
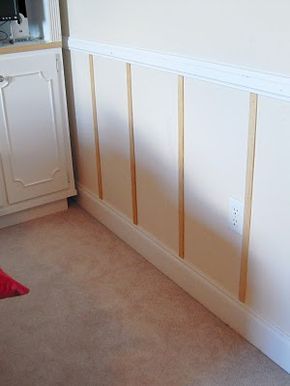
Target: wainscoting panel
[[174, 148], [81, 119], [155, 109], [216, 129], [269, 260], [113, 126]]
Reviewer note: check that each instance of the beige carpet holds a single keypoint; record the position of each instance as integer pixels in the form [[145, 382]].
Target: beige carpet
[[99, 314]]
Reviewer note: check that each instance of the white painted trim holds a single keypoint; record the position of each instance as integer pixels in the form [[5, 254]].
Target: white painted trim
[[54, 16], [33, 213], [35, 202], [269, 339], [242, 78]]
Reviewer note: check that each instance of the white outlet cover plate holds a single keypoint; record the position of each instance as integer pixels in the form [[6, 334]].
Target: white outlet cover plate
[[236, 215]]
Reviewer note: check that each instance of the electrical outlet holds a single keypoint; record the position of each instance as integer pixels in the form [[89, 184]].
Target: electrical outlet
[[236, 215]]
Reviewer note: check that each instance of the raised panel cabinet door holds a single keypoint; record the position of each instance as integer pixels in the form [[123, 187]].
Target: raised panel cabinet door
[[31, 126]]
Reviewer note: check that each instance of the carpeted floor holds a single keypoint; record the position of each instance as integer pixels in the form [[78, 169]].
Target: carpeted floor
[[99, 314]]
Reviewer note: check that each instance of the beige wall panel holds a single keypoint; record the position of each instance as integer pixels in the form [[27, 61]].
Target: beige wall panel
[[155, 109], [269, 260], [249, 33], [216, 127], [112, 114], [81, 119]]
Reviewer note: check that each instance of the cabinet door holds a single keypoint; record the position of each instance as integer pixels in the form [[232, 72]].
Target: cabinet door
[[31, 129]]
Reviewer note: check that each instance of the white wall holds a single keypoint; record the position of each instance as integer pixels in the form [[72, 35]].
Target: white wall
[[249, 32], [252, 33]]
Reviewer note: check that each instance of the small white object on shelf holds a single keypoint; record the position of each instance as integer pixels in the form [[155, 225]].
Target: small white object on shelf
[[19, 31]]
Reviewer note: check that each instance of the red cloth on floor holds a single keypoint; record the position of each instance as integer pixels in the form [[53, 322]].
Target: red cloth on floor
[[10, 287]]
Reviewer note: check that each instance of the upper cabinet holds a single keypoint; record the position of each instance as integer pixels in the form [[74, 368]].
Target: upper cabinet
[[32, 116]]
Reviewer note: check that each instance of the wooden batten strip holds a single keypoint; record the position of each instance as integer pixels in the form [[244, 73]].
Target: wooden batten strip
[[132, 145], [248, 196], [96, 129], [181, 165]]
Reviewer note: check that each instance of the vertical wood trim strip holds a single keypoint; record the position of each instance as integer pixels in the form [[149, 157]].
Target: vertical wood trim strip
[[96, 129], [181, 164], [248, 196], [132, 145]]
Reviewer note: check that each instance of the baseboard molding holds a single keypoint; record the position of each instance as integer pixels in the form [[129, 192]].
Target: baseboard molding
[[266, 337], [259, 82], [36, 202], [33, 213]]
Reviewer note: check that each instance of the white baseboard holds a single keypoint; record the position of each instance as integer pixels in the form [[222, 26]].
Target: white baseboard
[[8, 209], [33, 213], [266, 337]]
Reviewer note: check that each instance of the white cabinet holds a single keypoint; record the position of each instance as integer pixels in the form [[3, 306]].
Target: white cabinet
[[36, 174], [35, 154], [32, 143]]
